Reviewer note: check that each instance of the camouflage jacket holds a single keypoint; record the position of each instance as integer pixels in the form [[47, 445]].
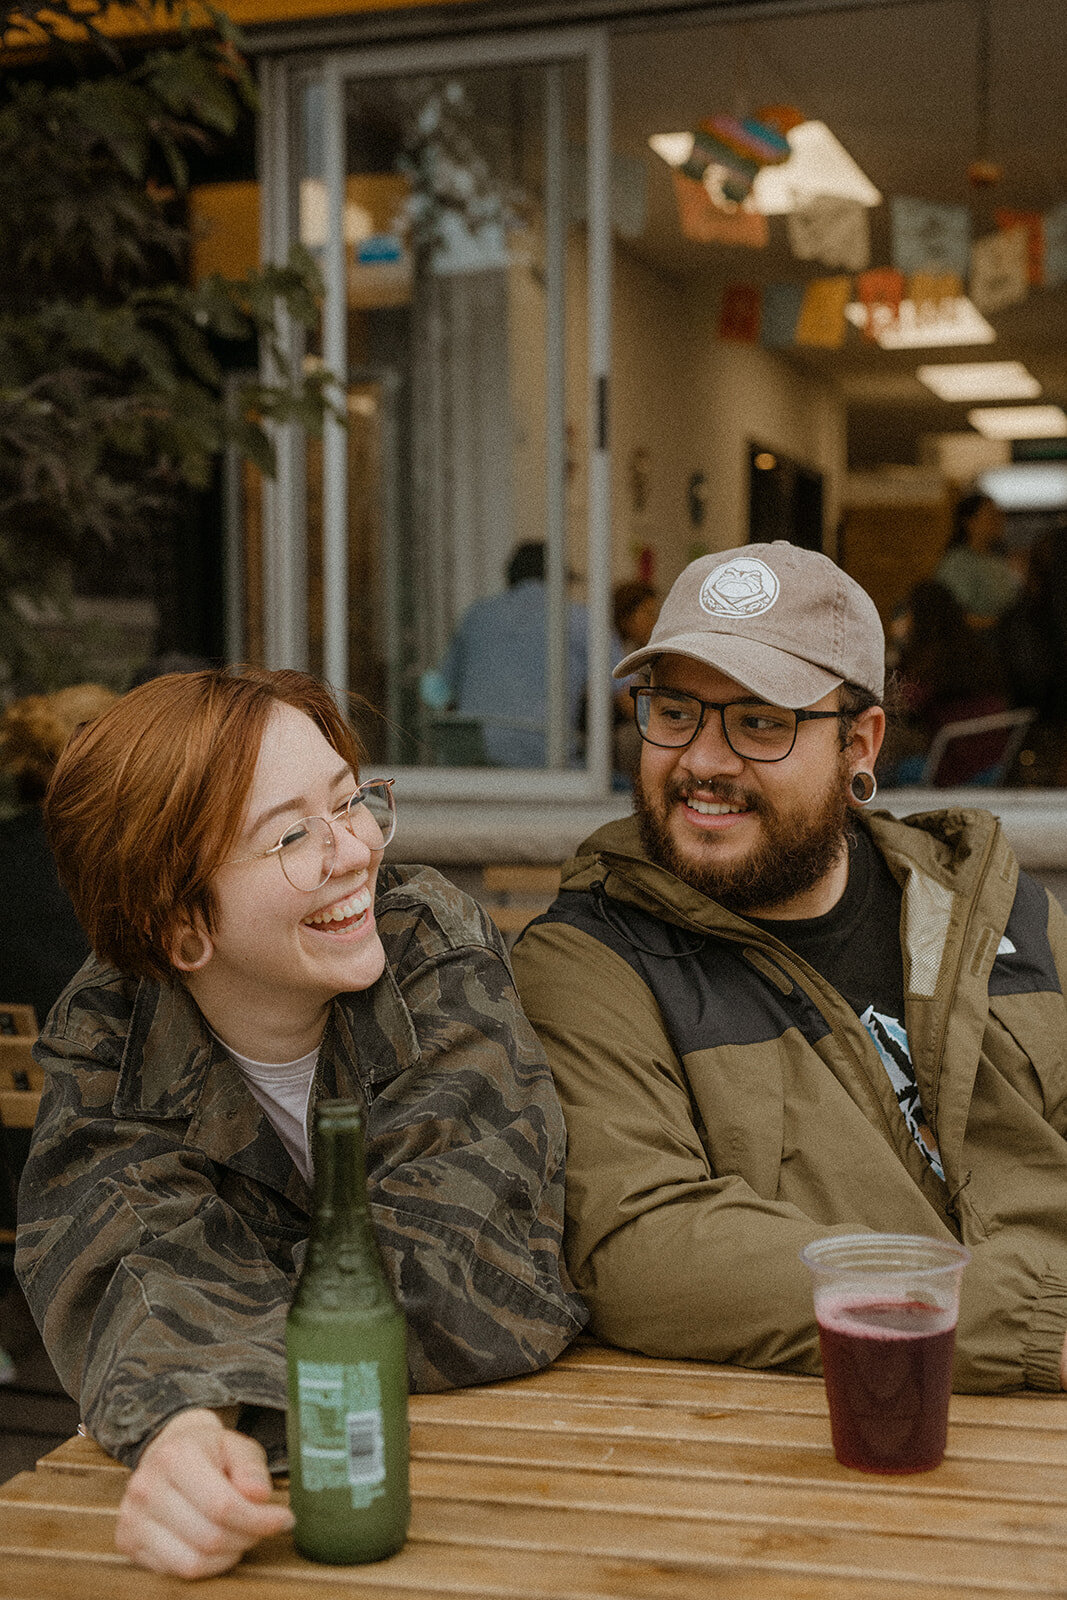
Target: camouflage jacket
[[162, 1225]]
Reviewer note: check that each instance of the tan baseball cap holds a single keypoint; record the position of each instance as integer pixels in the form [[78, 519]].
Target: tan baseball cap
[[786, 623]]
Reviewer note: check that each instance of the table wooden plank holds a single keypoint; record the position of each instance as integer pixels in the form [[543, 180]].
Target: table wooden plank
[[715, 1424], [1011, 1481], [79, 1455], [575, 1548], [36, 1577], [863, 1505], [1029, 1407], [590, 1380]]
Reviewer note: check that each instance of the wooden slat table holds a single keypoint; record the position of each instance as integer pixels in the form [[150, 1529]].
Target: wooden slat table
[[613, 1477]]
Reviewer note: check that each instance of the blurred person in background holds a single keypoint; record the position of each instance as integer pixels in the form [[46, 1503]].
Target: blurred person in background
[[947, 671], [1031, 637], [973, 568], [41, 941], [495, 667], [635, 606]]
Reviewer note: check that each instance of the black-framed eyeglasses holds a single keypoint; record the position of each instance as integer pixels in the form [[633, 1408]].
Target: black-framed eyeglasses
[[307, 850], [672, 718]]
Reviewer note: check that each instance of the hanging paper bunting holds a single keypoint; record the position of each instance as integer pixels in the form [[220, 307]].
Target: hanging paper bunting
[[781, 309], [929, 292], [929, 237], [740, 144], [784, 118], [822, 313], [832, 230], [739, 313], [1034, 223], [999, 270], [705, 222], [1055, 232], [880, 292]]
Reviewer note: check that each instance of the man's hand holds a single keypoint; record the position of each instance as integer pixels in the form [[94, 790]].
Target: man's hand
[[199, 1498]]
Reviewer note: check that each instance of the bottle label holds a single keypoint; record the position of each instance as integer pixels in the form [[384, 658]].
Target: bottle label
[[341, 1436]]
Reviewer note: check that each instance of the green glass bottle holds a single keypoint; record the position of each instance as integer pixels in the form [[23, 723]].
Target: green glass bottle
[[348, 1379]]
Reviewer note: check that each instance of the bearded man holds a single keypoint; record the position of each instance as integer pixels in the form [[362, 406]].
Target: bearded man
[[774, 1015]]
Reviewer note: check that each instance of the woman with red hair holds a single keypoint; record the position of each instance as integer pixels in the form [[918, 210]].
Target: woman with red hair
[[252, 952]]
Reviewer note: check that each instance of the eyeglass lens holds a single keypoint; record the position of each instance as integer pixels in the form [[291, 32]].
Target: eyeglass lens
[[758, 732], [308, 849]]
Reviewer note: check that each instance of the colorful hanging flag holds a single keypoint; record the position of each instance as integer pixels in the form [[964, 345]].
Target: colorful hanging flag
[[784, 118], [929, 237], [781, 309], [833, 230], [822, 313], [1034, 223], [1055, 232], [930, 291], [705, 222], [740, 144], [999, 270], [880, 292], [739, 313]]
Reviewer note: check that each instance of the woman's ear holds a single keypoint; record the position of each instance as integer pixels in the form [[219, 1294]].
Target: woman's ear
[[191, 947]]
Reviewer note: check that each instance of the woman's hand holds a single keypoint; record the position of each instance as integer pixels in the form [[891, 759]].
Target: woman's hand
[[199, 1498]]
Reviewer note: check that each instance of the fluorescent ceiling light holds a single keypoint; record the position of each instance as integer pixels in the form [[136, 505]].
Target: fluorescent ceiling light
[[955, 322], [675, 148], [818, 165], [1029, 486], [1020, 422], [980, 380]]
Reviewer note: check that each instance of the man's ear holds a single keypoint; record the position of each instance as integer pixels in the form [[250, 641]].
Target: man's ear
[[865, 738], [191, 947]]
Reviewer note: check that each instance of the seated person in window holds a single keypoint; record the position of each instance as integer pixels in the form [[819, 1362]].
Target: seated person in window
[[495, 667], [253, 953]]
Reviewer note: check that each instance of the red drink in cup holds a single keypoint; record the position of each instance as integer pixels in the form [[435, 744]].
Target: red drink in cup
[[888, 1371], [886, 1306]]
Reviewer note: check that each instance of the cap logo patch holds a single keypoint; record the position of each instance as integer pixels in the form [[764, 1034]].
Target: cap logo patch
[[743, 587]]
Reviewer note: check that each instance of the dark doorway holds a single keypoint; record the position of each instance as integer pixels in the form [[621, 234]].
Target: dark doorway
[[784, 499]]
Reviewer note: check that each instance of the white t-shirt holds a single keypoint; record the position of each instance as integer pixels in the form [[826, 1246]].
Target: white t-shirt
[[282, 1089]]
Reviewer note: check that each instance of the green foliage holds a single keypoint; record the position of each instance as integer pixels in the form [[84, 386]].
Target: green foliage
[[113, 401]]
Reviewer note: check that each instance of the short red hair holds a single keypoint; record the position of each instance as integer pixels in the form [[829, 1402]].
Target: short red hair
[[146, 802]]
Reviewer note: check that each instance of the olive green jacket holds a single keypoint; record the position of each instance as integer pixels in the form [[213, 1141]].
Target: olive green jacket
[[162, 1224], [725, 1105]]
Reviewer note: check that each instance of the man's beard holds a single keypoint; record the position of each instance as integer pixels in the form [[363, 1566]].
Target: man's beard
[[794, 853]]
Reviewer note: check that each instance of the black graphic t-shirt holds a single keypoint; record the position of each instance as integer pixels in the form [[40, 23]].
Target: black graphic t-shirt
[[856, 947]]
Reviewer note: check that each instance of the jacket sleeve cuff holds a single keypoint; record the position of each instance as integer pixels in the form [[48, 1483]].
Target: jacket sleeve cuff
[[1043, 1344]]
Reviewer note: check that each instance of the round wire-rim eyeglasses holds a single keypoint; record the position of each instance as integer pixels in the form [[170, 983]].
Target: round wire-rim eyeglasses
[[740, 728], [295, 849]]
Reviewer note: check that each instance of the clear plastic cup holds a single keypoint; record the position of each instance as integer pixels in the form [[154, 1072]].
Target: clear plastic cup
[[886, 1305]]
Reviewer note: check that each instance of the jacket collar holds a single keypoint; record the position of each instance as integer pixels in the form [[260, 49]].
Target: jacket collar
[[952, 848], [174, 1070]]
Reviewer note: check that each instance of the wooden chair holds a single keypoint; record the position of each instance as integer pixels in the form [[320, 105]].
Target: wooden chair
[[991, 742], [514, 895]]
